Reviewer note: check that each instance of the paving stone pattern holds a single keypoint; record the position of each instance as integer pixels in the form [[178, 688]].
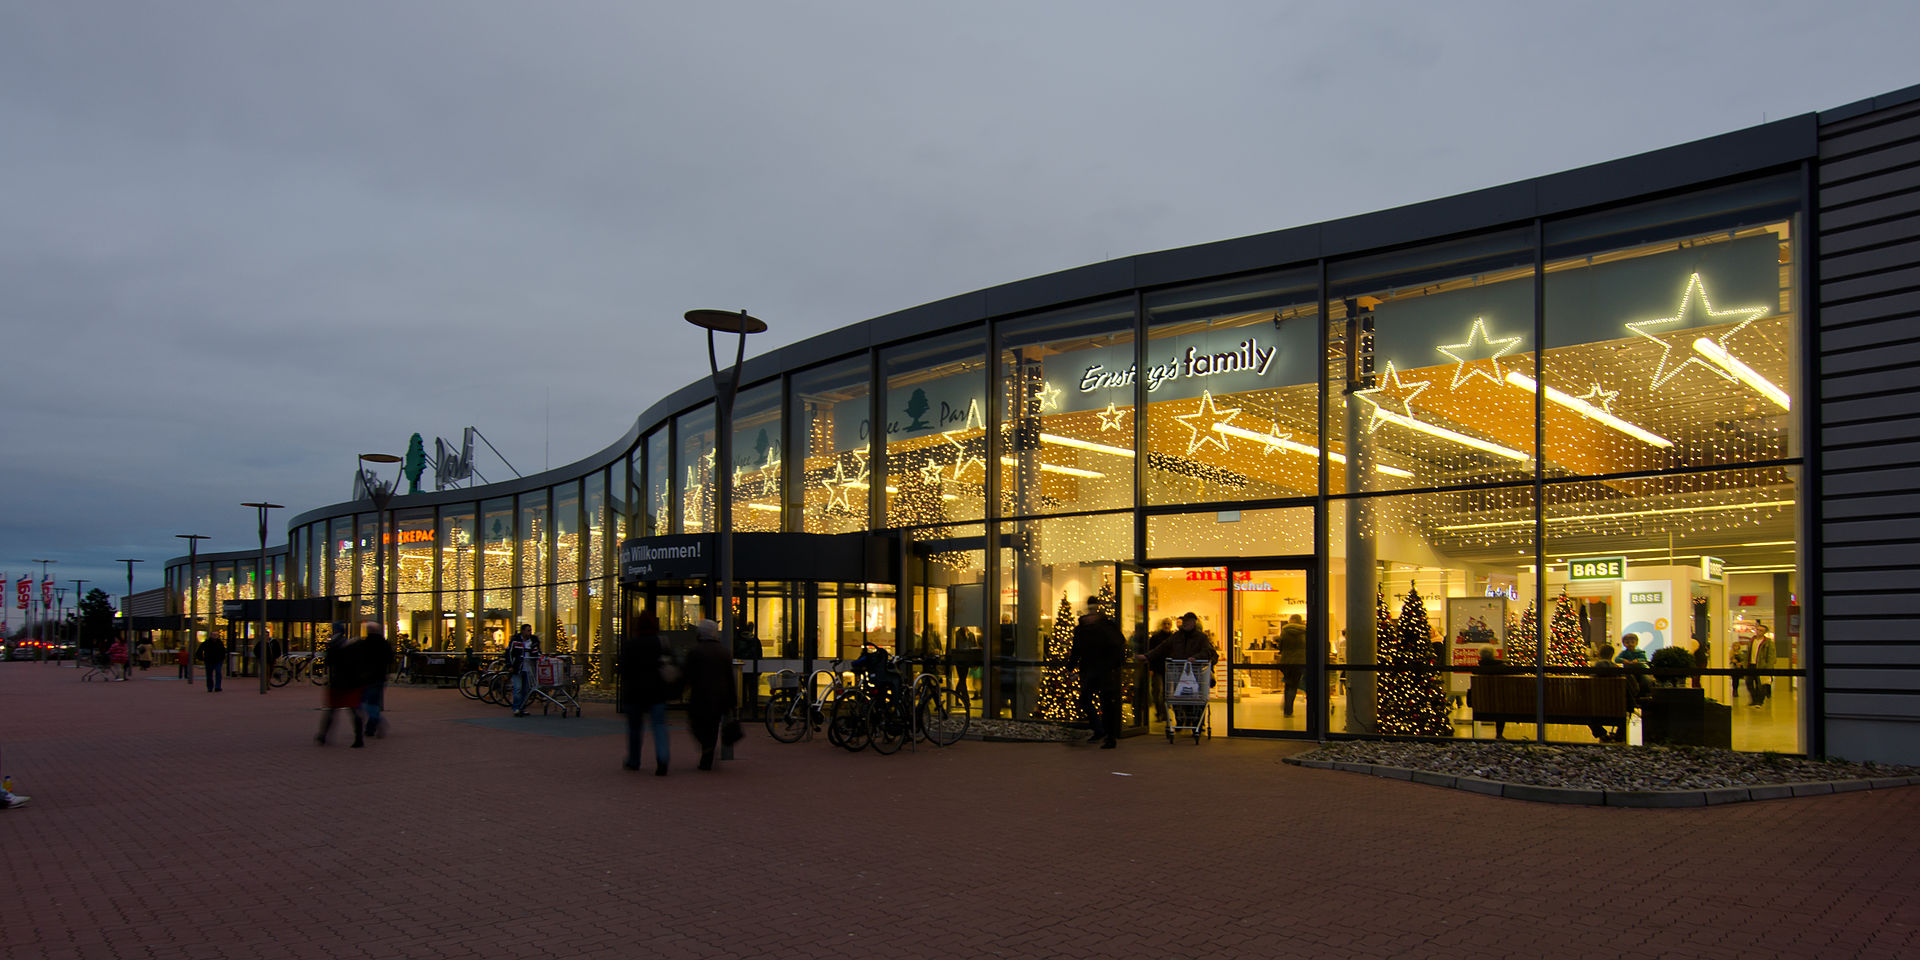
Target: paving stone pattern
[[168, 823]]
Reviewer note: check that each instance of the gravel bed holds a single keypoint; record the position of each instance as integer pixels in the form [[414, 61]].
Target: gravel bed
[[989, 728], [1603, 768]]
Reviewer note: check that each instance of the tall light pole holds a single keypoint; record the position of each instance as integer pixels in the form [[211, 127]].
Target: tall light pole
[[726, 385], [126, 611], [382, 496], [59, 614], [78, 595], [43, 597], [193, 596], [260, 664]]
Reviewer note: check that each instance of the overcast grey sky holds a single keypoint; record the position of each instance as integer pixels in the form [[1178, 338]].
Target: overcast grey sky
[[241, 243]]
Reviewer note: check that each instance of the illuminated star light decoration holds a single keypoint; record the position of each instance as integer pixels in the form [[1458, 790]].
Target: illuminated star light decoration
[[1110, 418], [841, 486], [1599, 398], [1394, 390], [1048, 396], [1665, 371], [963, 457], [1199, 436], [1465, 369]]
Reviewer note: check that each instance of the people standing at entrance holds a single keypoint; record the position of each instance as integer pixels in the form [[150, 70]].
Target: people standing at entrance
[[520, 654], [644, 691], [376, 658], [709, 678], [1097, 653], [1293, 660], [213, 655], [346, 672], [1187, 643]]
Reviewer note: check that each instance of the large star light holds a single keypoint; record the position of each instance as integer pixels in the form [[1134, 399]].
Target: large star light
[[1392, 389], [840, 488], [1199, 436], [1048, 396], [962, 457], [1677, 324], [1599, 397], [1273, 439], [1466, 369], [1110, 418]]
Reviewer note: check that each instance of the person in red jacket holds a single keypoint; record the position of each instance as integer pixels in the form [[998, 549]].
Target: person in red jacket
[[118, 654]]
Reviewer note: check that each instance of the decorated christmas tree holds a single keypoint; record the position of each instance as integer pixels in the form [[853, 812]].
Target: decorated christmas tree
[[1413, 701], [1523, 639], [1059, 698], [1566, 643]]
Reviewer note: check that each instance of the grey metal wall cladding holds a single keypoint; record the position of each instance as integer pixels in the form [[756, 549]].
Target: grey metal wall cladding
[[1868, 269]]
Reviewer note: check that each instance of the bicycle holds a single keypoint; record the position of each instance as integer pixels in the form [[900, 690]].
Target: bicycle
[[941, 714], [794, 710]]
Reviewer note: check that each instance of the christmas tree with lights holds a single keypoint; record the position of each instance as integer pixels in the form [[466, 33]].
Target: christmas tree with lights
[[1059, 698], [1413, 701], [1566, 643], [1523, 639]]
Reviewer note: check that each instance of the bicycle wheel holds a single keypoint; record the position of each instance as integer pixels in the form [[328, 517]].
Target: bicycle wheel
[[282, 675], [945, 716], [850, 722], [786, 716], [470, 684], [320, 674], [892, 725]]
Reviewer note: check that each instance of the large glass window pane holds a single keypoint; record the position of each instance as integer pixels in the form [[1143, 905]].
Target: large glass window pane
[[568, 636], [950, 603], [936, 429], [368, 528], [1233, 390], [830, 427], [340, 558], [1421, 345], [1231, 533], [1423, 589], [536, 552], [754, 475], [656, 506], [1066, 407], [496, 572], [595, 575], [457, 545], [1698, 567], [1052, 566], [1670, 334], [696, 433], [411, 541]]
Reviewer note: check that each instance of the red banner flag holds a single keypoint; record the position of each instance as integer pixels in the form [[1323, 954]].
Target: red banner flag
[[46, 593], [25, 589]]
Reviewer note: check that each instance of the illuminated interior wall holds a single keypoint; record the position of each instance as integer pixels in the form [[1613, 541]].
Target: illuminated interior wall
[[829, 425], [934, 412], [1066, 410], [758, 452]]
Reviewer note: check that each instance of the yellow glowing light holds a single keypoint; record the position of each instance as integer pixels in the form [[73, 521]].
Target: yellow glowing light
[[1199, 436], [1755, 505], [1056, 468], [1110, 419], [1661, 371], [1390, 383], [1461, 371], [1588, 410], [962, 459], [1446, 434], [763, 507], [1747, 375], [1055, 438]]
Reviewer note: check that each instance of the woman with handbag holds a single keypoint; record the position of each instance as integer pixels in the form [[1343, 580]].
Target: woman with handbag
[[648, 679]]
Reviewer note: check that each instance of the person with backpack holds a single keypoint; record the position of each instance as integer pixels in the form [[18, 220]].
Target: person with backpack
[[520, 654], [648, 679]]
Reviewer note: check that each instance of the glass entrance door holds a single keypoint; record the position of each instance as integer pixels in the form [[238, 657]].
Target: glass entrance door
[[1268, 658]]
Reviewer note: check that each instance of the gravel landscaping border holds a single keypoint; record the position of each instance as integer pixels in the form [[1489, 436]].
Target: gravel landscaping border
[[1614, 776]]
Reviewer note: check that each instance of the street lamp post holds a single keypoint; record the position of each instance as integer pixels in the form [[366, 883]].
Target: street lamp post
[[260, 664], [126, 611], [42, 633], [193, 596], [726, 386], [382, 496], [78, 595], [59, 614]]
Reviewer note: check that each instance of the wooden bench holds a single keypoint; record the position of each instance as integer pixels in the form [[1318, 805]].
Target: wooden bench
[[1510, 698]]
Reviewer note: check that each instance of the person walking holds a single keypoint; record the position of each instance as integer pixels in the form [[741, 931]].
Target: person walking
[[213, 655], [710, 695], [117, 653], [645, 673], [144, 653], [1293, 660], [345, 677], [184, 656], [376, 658], [1097, 653], [520, 653]]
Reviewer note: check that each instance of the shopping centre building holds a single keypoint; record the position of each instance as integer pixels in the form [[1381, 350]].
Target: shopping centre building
[[1670, 395]]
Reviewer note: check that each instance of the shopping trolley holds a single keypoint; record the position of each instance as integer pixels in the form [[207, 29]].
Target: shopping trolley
[[554, 686], [1187, 685]]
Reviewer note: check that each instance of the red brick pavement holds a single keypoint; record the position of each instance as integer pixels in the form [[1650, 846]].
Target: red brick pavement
[[172, 823]]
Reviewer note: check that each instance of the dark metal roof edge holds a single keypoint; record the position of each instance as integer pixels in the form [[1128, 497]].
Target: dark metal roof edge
[[203, 556], [1880, 102]]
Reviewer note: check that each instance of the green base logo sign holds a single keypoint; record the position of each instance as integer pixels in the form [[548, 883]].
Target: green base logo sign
[[1583, 569]]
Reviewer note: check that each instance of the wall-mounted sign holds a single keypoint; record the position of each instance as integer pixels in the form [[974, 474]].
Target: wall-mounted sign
[[1581, 569], [679, 557], [1713, 569]]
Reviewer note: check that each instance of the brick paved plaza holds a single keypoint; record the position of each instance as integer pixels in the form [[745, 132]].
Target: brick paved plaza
[[167, 822]]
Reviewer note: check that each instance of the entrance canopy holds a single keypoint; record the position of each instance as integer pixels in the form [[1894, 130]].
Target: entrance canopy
[[838, 557], [304, 610]]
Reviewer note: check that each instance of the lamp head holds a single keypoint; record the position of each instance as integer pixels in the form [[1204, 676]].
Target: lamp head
[[726, 321]]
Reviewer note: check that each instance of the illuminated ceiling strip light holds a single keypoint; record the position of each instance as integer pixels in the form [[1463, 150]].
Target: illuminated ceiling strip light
[[764, 507], [1085, 445], [1056, 468], [1751, 377], [1588, 410], [1445, 434], [1311, 451], [1632, 513]]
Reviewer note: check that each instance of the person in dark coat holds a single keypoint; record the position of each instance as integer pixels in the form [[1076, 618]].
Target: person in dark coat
[[644, 693], [710, 694], [376, 658], [346, 673], [1293, 660], [213, 654], [1097, 653]]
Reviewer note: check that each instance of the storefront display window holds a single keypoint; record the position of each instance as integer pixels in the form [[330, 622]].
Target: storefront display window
[[340, 583], [656, 497], [1066, 410], [1048, 570], [754, 475], [595, 575], [830, 426], [496, 571], [457, 550], [1233, 390], [1282, 532], [536, 554], [935, 414], [696, 470], [567, 633]]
